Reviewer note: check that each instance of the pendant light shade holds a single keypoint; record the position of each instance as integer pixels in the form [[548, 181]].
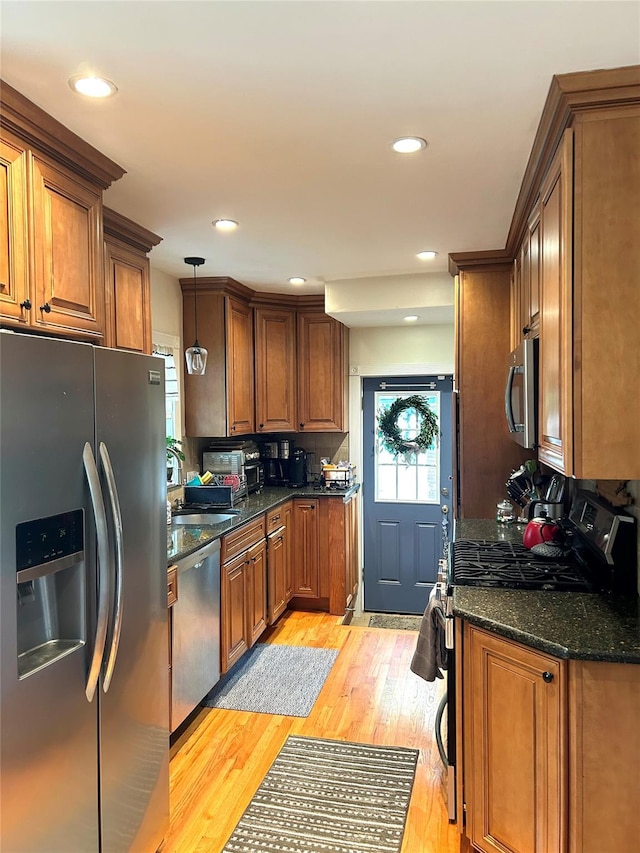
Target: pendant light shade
[[195, 355]]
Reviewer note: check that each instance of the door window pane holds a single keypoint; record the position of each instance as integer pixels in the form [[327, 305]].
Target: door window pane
[[414, 478]]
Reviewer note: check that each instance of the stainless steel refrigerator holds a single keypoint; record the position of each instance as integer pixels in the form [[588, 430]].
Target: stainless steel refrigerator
[[84, 689]]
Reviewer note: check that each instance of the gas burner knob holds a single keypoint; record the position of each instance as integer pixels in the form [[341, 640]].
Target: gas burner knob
[[547, 676]]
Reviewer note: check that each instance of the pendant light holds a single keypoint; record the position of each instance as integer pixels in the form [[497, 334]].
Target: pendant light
[[195, 356]]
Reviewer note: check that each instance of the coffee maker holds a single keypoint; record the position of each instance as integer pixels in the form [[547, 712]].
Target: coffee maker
[[277, 460], [298, 469]]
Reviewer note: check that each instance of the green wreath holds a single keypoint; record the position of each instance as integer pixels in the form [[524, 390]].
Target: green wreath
[[390, 433]]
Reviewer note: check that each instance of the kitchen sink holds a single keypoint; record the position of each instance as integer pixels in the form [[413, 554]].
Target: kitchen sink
[[201, 518]]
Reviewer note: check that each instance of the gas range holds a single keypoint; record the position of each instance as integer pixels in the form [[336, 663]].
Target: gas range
[[509, 565], [600, 556]]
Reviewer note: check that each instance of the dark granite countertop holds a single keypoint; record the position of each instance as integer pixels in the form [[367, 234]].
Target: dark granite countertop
[[488, 528], [583, 626], [184, 539]]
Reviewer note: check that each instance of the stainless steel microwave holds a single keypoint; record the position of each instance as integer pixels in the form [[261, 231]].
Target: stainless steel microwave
[[521, 393]]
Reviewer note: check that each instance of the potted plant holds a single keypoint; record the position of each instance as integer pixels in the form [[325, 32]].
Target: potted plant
[[174, 451]]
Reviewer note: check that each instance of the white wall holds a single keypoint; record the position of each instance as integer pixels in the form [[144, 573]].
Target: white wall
[[403, 350], [166, 304]]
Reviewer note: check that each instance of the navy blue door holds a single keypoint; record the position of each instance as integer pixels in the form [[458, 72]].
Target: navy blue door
[[405, 499]]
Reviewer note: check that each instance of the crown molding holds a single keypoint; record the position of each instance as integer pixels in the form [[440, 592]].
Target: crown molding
[[37, 128]]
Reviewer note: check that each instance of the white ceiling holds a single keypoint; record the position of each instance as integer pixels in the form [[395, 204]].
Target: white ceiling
[[280, 115]]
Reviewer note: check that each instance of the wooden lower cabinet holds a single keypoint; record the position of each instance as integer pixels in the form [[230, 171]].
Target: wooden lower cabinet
[[515, 765], [234, 621], [257, 590], [339, 536], [550, 749], [279, 532], [277, 584], [306, 556], [287, 520], [604, 756], [243, 591]]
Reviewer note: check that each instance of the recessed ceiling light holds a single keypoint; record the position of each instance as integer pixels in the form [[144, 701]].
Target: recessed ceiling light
[[411, 318], [225, 224], [408, 144], [426, 256], [297, 280], [93, 87]]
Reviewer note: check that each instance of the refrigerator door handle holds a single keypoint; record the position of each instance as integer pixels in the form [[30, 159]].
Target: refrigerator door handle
[[102, 537], [112, 490]]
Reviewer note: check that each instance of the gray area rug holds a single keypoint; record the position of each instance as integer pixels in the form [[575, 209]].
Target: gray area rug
[[390, 620], [274, 679], [329, 796]]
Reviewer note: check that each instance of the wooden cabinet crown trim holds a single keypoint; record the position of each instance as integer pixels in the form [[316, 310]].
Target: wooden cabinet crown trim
[[36, 127], [256, 298], [493, 260], [568, 95], [118, 226], [266, 299], [218, 284]]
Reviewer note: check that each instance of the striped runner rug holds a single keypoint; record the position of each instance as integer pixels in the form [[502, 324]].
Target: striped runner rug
[[329, 796]]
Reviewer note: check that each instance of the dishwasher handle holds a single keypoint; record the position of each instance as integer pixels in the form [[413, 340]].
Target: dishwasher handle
[[192, 560]]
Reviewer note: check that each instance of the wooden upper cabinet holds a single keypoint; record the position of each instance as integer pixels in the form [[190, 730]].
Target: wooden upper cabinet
[[51, 248], [275, 347], [127, 283], [515, 708], [606, 295], [67, 228], [220, 402], [525, 284], [240, 368], [482, 315], [531, 306], [14, 279], [322, 386], [555, 421], [578, 209], [515, 295]]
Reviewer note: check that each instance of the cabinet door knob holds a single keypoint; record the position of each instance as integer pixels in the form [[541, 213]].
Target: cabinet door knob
[[26, 305], [261, 426], [301, 426], [526, 330], [46, 308], [547, 676]]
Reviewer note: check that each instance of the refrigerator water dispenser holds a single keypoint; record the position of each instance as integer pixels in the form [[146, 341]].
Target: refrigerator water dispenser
[[50, 590]]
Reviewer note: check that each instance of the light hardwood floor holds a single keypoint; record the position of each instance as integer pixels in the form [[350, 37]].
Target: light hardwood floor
[[370, 696]]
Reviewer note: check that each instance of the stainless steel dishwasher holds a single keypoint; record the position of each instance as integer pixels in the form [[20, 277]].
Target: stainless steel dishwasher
[[196, 631]]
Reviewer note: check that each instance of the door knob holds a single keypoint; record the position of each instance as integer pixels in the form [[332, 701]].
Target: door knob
[[547, 676]]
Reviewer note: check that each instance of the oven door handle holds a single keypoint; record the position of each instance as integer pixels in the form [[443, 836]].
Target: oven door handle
[[508, 408], [449, 623]]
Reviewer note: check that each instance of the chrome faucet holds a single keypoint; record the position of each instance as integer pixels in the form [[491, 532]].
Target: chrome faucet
[[173, 453]]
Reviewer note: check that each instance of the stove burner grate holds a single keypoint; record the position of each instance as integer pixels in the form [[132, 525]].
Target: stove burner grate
[[508, 565]]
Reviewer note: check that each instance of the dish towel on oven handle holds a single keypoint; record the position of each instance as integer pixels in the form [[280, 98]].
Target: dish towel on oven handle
[[430, 655]]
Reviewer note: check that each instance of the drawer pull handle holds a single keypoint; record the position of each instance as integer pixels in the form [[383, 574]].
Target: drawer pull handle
[[547, 676]]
